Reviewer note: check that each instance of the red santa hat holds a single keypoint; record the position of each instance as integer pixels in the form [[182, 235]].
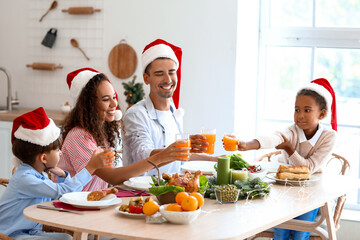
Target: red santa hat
[[324, 89], [35, 127], [78, 79], [160, 48]]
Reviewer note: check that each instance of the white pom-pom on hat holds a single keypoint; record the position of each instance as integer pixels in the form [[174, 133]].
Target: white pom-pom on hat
[[118, 115]]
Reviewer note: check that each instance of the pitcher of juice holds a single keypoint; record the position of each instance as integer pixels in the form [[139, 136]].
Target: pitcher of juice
[[230, 142], [183, 136], [210, 134]]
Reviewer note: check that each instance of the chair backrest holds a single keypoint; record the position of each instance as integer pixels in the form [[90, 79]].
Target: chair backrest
[[4, 182], [5, 237]]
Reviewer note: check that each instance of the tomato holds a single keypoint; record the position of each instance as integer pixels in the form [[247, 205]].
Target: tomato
[[135, 209]]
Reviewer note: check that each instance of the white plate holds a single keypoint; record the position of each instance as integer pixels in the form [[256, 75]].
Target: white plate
[[135, 186], [130, 215], [206, 167], [142, 181], [293, 182], [81, 198], [91, 204]]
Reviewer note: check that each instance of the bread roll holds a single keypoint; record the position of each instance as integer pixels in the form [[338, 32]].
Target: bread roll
[[295, 169]]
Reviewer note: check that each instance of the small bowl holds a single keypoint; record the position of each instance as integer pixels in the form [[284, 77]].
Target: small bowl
[[260, 174], [227, 196], [185, 217], [166, 198]]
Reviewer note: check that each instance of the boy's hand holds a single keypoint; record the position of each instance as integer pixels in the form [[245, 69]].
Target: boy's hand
[[198, 145], [100, 160], [242, 146], [57, 171]]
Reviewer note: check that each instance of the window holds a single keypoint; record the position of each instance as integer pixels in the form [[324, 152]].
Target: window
[[304, 40]]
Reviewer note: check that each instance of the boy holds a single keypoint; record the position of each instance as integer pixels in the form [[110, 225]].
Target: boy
[[35, 141]]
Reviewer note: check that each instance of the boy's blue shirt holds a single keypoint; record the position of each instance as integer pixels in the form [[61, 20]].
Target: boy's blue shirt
[[28, 187]]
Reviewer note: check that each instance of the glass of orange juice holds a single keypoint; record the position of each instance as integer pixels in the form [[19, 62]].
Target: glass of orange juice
[[102, 149], [210, 134], [183, 136], [230, 142]]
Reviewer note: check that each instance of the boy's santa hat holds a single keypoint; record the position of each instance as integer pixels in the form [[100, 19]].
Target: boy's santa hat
[[78, 79], [324, 89], [160, 48], [35, 127]]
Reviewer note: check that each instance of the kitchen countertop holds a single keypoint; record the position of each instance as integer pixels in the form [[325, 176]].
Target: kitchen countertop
[[56, 115]]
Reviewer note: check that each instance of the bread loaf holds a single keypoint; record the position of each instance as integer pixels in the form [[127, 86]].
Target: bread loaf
[[293, 173]]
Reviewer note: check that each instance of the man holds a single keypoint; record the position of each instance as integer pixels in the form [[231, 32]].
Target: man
[[151, 124]]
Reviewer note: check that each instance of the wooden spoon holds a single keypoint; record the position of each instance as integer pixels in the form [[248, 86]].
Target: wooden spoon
[[75, 43], [53, 5]]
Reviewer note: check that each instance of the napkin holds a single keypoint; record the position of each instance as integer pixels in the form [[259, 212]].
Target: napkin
[[130, 193], [70, 207]]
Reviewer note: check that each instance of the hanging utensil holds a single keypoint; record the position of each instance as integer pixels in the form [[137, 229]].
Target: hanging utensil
[[75, 44], [81, 10], [53, 6]]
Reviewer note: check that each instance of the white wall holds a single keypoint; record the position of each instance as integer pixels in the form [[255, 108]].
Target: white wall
[[206, 31]]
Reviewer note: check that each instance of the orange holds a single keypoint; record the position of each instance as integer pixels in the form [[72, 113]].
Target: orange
[[189, 203], [180, 196], [199, 197], [150, 208], [174, 207]]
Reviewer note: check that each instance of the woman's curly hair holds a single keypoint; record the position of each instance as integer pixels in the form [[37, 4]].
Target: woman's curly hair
[[86, 116]]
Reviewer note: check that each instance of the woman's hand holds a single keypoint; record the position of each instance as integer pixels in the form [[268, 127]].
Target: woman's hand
[[198, 144], [100, 160], [173, 153]]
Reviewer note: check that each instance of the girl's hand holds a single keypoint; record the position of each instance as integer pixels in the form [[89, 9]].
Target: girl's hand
[[57, 171], [198, 145], [172, 153], [100, 160], [286, 146]]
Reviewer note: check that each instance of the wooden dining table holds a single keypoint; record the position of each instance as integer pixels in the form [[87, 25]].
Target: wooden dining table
[[216, 221]]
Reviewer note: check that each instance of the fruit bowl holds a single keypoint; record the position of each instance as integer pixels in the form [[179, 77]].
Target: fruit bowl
[[184, 217]]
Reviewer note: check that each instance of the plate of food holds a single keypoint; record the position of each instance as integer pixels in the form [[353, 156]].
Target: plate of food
[[293, 175], [130, 215], [206, 167], [91, 199]]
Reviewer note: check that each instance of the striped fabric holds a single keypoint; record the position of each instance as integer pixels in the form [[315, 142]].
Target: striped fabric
[[77, 150]]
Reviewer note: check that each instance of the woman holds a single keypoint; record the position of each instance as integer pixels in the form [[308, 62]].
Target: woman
[[92, 123]]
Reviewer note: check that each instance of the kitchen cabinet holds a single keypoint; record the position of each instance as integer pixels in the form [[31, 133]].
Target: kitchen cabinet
[[5, 151]]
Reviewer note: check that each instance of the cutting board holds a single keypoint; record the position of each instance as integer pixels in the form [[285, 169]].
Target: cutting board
[[122, 60]]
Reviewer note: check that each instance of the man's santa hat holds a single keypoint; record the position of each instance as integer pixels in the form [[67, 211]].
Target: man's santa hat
[[35, 127], [78, 79], [160, 48], [324, 89]]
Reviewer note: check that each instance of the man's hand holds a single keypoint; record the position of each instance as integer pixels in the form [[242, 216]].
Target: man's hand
[[198, 144]]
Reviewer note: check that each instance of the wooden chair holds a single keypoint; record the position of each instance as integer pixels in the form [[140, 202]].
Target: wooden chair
[[339, 203]]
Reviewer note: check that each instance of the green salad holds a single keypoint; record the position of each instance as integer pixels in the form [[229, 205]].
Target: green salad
[[164, 188]]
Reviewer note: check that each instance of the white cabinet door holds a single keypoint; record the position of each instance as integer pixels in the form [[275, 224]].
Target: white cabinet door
[[5, 151]]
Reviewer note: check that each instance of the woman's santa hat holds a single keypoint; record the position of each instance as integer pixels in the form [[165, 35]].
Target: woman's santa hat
[[35, 127], [78, 79], [324, 89], [160, 48]]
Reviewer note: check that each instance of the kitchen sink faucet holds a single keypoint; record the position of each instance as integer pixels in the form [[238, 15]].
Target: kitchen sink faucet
[[9, 100]]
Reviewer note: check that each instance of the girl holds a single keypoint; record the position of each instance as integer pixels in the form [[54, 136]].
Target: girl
[[307, 142], [93, 122]]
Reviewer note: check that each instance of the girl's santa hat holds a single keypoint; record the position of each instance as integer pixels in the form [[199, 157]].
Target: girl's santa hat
[[160, 48], [78, 79], [35, 127], [324, 89]]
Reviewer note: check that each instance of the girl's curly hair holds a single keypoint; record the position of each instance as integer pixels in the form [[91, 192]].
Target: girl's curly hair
[[85, 115]]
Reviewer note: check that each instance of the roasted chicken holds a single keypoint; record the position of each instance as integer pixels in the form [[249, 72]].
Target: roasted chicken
[[191, 184], [98, 195]]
